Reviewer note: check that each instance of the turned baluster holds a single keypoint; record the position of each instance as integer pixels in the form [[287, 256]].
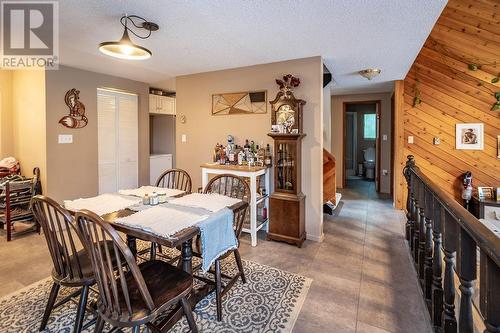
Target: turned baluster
[[416, 219], [409, 198], [429, 202], [437, 265], [466, 269], [449, 245], [489, 293], [421, 235]]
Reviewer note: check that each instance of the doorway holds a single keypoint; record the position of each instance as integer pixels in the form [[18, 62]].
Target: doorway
[[361, 123]]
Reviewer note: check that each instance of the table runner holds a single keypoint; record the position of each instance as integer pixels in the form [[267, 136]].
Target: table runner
[[143, 190], [102, 204], [216, 229], [211, 201]]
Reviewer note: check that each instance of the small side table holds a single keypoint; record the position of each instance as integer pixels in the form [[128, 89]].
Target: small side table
[[248, 172], [483, 208]]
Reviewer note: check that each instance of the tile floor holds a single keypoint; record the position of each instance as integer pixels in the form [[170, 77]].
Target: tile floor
[[363, 280]]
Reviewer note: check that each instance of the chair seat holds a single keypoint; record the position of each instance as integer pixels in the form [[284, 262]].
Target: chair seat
[[165, 283]]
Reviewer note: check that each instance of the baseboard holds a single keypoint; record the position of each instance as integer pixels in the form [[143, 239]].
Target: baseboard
[[315, 238]]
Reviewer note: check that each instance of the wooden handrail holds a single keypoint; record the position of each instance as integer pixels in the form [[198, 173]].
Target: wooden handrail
[[436, 225], [484, 237]]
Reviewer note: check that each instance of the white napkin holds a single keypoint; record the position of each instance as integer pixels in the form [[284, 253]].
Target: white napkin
[[143, 190], [212, 201], [102, 204], [162, 221]]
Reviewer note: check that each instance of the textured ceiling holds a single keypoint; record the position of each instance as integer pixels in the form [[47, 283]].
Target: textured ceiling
[[199, 36]]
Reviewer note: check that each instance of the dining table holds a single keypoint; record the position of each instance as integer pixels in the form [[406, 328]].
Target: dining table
[[182, 239]]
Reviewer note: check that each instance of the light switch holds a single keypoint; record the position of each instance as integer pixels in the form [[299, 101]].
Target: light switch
[[410, 139], [384, 137], [184, 138], [65, 138]]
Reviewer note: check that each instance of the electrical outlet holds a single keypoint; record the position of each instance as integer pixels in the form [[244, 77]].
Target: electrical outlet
[[65, 138], [410, 139], [385, 172], [384, 137], [437, 141], [184, 138]]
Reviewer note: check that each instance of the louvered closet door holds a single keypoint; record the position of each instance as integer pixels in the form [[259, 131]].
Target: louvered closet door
[[117, 140]]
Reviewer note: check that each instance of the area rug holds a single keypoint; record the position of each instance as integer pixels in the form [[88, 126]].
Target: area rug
[[270, 301]]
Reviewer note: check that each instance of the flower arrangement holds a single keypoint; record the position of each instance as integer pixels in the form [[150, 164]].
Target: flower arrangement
[[287, 83]]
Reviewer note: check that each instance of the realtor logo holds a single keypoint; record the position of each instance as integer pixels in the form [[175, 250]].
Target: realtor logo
[[30, 34]]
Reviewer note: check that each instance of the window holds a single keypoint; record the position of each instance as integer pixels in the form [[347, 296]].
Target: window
[[370, 126]]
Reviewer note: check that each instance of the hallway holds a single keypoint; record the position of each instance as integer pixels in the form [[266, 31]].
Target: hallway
[[363, 280]]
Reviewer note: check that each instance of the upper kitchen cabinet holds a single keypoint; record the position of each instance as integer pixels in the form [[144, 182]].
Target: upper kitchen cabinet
[[161, 104]]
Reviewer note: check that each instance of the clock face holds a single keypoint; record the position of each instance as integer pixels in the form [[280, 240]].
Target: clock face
[[285, 116]]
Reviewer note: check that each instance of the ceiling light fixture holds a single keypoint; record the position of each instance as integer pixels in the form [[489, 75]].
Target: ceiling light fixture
[[125, 48], [370, 73]]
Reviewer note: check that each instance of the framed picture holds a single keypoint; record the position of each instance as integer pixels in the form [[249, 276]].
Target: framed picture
[[470, 136], [485, 192]]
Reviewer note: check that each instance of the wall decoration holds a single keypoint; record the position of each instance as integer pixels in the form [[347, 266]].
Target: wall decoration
[[470, 136], [76, 117], [498, 147], [485, 192], [253, 102]]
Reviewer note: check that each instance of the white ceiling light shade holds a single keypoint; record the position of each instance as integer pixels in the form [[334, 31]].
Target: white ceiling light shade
[[370, 73], [125, 48]]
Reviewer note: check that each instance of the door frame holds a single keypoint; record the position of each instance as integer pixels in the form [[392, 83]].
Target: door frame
[[378, 111]]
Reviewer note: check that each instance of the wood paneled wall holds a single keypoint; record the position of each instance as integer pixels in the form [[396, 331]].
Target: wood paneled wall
[[467, 31]]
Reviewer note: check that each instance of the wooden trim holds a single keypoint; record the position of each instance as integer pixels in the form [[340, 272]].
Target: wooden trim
[[393, 129], [378, 111], [398, 144]]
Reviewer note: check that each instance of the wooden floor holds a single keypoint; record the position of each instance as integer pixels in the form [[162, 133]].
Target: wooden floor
[[362, 277]]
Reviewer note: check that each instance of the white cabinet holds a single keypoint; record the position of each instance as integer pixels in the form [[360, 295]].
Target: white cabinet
[[157, 165], [161, 104], [117, 137]]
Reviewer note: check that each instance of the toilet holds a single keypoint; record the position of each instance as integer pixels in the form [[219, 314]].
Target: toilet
[[369, 163]]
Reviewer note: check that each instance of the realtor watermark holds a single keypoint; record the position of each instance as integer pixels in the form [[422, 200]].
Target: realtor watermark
[[29, 37]]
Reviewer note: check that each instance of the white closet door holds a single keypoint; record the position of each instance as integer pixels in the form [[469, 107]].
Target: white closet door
[[117, 140], [106, 138], [128, 142]]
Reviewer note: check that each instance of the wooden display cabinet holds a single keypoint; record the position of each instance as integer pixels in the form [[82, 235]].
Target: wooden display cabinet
[[287, 202]]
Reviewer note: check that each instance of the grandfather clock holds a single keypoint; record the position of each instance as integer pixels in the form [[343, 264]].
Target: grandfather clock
[[287, 202]]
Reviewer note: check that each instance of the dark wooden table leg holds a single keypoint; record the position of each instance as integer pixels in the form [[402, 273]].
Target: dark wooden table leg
[[132, 244], [187, 256]]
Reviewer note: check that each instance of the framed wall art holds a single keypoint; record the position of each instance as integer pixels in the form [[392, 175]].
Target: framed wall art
[[252, 102], [470, 136]]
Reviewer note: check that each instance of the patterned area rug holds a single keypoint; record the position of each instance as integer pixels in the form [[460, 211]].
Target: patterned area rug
[[270, 301]]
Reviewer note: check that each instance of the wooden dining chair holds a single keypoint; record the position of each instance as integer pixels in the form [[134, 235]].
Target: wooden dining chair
[[72, 267], [177, 179], [137, 294], [234, 187]]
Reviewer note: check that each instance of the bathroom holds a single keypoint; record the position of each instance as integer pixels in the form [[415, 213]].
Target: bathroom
[[361, 124]]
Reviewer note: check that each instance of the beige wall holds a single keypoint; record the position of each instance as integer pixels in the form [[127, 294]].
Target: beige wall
[[194, 93], [28, 121], [327, 118], [6, 142], [73, 170], [385, 128]]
